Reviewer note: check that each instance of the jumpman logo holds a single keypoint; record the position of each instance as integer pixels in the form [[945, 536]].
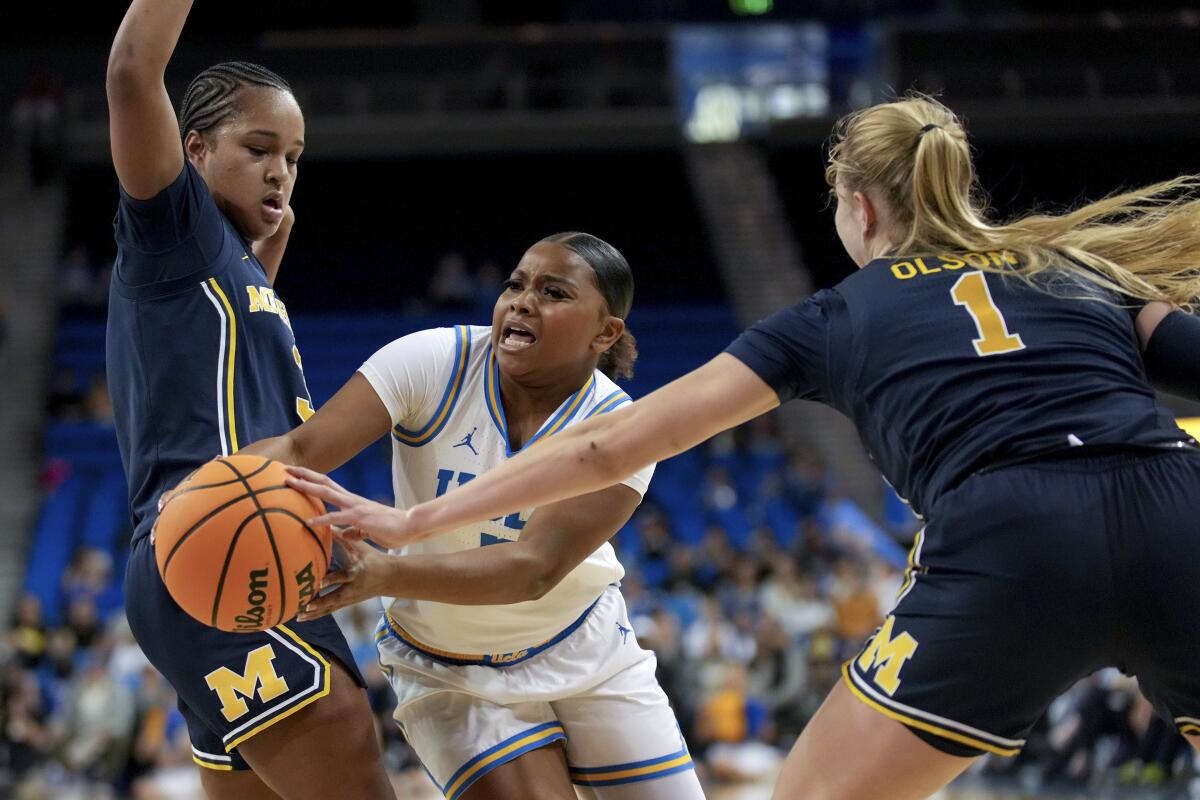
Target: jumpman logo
[[624, 631], [466, 441]]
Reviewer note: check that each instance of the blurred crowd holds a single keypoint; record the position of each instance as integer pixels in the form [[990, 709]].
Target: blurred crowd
[[750, 621]]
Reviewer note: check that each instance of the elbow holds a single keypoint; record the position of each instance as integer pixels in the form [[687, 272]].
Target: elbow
[[124, 77], [538, 578], [130, 72]]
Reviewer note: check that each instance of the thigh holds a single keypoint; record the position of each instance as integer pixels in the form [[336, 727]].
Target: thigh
[[1001, 611], [243, 695], [848, 752], [327, 749], [623, 740], [1158, 530], [462, 738], [539, 774], [235, 785]]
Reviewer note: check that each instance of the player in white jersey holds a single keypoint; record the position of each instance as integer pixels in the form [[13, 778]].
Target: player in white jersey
[[515, 667]]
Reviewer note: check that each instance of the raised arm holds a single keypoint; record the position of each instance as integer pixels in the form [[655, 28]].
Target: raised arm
[[269, 252], [143, 131], [584, 458]]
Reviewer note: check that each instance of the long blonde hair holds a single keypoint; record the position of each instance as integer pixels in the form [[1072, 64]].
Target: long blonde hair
[[1143, 243]]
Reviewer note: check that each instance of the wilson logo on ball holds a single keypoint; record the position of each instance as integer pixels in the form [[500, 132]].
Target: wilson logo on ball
[[234, 547], [256, 600]]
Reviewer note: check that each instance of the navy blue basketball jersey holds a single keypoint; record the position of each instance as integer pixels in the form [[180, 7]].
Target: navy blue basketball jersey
[[201, 356], [947, 369]]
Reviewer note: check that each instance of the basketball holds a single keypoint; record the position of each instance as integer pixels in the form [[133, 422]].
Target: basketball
[[234, 547]]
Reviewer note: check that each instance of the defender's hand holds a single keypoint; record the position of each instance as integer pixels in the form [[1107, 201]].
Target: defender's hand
[[362, 517]]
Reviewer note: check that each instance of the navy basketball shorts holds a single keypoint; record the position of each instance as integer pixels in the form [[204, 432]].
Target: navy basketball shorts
[[1030, 577], [231, 686]]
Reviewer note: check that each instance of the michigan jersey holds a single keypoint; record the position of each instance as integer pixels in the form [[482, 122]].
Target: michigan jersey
[[442, 390], [947, 367], [201, 356]]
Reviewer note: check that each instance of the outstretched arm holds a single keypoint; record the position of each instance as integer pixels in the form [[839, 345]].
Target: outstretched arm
[[584, 458], [555, 540], [143, 130], [1170, 340], [340, 430]]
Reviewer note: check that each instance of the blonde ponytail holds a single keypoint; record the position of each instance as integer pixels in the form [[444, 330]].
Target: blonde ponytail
[[1143, 243]]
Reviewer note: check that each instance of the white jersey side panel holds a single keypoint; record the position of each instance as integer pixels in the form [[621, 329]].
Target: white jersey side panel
[[442, 389]]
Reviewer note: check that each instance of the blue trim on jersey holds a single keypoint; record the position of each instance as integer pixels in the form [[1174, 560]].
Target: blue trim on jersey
[[614, 400], [486, 660], [633, 772], [500, 754], [462, 354], [561, 419]]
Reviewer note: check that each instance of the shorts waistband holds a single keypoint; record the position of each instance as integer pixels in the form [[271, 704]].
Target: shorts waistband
[[1100, 457], [389, 627]]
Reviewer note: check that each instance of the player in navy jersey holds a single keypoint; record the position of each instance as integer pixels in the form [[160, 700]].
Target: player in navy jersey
[[201, 359], [1001, 376]]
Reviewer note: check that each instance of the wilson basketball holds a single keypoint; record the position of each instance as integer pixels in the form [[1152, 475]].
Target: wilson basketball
[[234, 546]]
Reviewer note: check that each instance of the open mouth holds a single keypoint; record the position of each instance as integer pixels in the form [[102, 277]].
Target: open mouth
[[515, 338]]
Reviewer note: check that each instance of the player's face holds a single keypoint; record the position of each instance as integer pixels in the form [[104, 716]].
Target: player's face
[[547, 319], [849, 223], [251, 169]]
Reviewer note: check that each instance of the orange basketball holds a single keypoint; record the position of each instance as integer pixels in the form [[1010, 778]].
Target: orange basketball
[[234, 546]]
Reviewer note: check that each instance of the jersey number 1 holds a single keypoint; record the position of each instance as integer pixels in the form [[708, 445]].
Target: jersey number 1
[[971, 291]]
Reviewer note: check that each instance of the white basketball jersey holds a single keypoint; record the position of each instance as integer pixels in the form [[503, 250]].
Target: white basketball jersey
[[442, 390]]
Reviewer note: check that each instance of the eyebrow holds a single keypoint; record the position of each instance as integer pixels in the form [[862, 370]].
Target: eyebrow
[[273, 135], [521, 273]]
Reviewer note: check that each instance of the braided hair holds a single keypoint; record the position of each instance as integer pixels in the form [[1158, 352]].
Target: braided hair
[[213, 96], [615, 281]]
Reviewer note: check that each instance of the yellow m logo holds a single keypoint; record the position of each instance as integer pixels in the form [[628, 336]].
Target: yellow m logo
[[259, 676], [889, 654]]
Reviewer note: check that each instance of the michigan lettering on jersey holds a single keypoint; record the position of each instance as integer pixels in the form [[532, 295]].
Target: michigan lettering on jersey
[[263, 298], [950, 262], [888, 654], [258, 677]]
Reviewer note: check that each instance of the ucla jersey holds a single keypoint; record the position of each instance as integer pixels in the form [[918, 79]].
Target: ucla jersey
[[201, 356], [947, 369], [442, 389]]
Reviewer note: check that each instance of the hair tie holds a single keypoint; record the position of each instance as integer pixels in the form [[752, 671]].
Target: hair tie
[[927, 129]]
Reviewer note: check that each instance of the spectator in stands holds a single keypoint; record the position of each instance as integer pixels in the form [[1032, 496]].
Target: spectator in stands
[[488, 280], [1158, 749], [739, 594], [65, 402], [156, 723], [1101, 706], [78, 280], [778, 676], [24, 730], [855, 605], [98, 725], [715, 558], [62, 654], [27, 636], [96, 404], [791, 600], [83, 620], [730, 723], [451, 287], [88, 574], [37, 120]]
